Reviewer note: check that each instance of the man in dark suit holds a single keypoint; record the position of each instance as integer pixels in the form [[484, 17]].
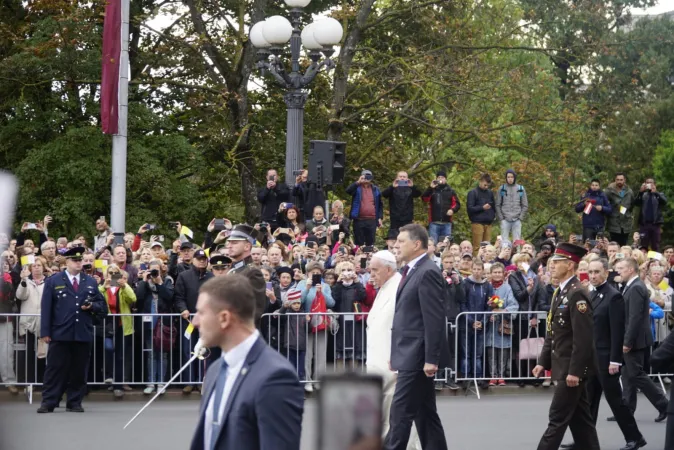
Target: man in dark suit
[[417, 337], [69, 300], [638, 339], [608, 312], [662, 360], [568, 353], [252, 397]]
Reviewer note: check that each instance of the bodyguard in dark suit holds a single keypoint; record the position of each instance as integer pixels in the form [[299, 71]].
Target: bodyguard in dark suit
[[252, 398], [568, 353], [417, 338], [69, 300], [662, 361], [608, 312], [638, 338]]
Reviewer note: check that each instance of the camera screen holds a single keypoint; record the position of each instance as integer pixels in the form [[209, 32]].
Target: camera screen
[[350, 412]]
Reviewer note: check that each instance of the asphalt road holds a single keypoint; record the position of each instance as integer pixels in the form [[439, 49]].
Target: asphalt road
[[494, 422]]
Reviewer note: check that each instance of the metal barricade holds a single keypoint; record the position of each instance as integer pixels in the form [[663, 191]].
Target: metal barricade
[[126, 350]]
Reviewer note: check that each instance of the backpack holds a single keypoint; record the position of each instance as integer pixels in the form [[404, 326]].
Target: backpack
[[502, 192]]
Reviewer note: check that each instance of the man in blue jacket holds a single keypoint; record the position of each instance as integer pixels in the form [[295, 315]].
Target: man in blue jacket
[[595, 208], [69, 301], [367, 209]]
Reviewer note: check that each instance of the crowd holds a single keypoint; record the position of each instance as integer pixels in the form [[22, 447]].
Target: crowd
[[307, 263]]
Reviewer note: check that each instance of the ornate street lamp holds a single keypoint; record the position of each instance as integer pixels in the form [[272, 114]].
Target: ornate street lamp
[[270, 37]]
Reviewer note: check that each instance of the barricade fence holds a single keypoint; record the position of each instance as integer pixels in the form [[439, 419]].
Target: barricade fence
[[148, 349]]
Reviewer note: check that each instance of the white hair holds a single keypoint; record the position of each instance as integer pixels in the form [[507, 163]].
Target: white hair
[[387, 258]]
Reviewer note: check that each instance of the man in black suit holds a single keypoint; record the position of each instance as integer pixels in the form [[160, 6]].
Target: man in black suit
[[662, 360], [608, 312], [416, 344], [638, 338], [569, 355]]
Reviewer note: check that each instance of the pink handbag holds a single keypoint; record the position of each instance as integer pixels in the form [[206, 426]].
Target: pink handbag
[[530, 348]]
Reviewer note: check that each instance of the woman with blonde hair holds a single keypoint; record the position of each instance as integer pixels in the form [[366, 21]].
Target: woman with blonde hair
[[29, 293], [120, 298]]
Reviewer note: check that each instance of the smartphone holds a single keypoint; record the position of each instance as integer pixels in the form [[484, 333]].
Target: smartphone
[[600, 235], [368, 249], [114, 279], [271, 178], [143, 266], [363, 263], [102, 218], [402, 183], [620, 256], [269, 285], [315, 279], [584, 276], [342, 250], [579, 238], [311, 244], [288, 205], [160, 238], [350, 409], [172, 224], [592, 242], [297, 173], [219, 225], [31, 226], [151, 226]]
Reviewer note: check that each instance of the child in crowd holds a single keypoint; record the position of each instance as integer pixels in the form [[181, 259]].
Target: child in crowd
[[499, 331], [295, 327], [477, 292]]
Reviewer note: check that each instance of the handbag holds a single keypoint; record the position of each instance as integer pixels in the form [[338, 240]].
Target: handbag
[[163, 336], [505, 327], [530, 348]]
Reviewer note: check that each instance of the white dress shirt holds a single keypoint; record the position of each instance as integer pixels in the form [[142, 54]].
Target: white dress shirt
[[414, 262], [234, 359], [631, 281], [563, 284], [72, 278]]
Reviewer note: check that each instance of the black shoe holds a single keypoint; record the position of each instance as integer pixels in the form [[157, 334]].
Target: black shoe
[[451, 384], [77, 409], [634, 445], [662, 416], [611, 419], [567, 446], [438, 386], [44, 409]]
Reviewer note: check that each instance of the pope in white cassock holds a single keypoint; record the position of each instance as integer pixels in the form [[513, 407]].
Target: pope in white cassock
[[384, 274]]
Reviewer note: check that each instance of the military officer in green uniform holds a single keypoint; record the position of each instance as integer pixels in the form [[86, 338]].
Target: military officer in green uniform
[[569, 352]]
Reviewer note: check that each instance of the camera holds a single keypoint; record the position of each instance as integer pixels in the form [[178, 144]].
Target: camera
[[154, 273], [368, 177], [263, 226]]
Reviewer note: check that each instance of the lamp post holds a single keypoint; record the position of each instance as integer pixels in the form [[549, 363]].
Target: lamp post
[[270, 37]]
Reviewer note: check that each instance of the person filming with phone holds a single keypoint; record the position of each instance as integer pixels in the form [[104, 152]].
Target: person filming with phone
[[443, 204], [367, 209], [271, 196], [401, 195], [650, 217]]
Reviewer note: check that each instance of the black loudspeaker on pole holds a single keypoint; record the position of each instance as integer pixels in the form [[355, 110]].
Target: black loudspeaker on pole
[[327, 161]]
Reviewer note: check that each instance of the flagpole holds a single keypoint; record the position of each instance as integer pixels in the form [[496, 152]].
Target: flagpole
[[119, 140]]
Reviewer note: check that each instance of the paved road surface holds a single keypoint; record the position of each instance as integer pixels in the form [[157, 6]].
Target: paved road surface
[[495, 422]]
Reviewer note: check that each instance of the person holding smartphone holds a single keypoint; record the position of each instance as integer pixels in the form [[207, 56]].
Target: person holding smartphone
[[367, 208], [271, 196], [443, 203], [316, 307], [401, 194], [651, 219]]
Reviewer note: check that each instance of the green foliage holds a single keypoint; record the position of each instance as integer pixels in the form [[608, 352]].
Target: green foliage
[[663, 169]]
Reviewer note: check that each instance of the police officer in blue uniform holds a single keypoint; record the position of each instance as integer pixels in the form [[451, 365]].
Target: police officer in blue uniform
[[69, 301]]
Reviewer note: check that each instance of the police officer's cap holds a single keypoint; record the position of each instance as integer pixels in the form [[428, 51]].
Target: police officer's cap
[[75, 253], [243, 232], [221, 262], [569, 252]]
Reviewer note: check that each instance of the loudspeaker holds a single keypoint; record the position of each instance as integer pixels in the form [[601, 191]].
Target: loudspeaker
[[327, 162]]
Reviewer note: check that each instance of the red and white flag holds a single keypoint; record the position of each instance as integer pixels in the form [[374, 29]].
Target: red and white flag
[[112, 49]]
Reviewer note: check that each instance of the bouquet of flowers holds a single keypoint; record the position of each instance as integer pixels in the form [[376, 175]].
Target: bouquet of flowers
[[495, 302]]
